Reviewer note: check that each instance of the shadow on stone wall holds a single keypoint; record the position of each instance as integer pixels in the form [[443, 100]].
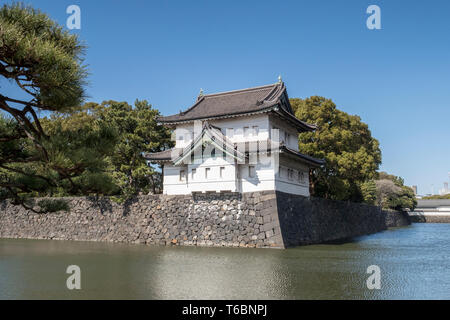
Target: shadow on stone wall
[[316, 220], [103, 204]]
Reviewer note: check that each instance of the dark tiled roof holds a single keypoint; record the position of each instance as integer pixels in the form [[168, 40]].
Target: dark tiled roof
[[162, 156], [267, 98], [270, 145], [311, 160]]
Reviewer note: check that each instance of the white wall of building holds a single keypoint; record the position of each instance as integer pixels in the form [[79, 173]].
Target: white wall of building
[[183, 135], [292, 177], [214, 174], [287, 133], [226, 175], [256, 177], [246, 128]]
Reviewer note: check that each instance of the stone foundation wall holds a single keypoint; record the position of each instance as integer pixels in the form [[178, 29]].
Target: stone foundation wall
[[397, 219], [230, 219], [258, 219], [308, 221]]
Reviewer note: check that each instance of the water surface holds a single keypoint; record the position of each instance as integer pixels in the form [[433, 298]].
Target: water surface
[[414, 263]]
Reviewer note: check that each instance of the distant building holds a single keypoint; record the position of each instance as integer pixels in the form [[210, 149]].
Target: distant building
[[415, 190], [432, 206], [431, 210], [445, 190]]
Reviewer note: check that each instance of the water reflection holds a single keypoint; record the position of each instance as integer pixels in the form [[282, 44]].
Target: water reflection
[[414, 262]]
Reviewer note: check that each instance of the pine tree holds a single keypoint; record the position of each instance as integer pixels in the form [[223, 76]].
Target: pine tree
[[45, 62]]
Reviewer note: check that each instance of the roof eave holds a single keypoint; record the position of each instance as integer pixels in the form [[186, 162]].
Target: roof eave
[[303, 126], [305, 158], [221, 116]]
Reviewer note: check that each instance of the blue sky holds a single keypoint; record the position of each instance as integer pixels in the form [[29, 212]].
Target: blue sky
[[397, 78]]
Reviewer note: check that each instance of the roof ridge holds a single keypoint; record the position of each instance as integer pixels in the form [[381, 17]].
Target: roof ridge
[[240, 90], [275, 92], [193, 106]]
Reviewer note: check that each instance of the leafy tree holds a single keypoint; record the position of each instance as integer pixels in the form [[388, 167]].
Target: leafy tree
[[405, 199], [80, 141], [138, 132], [389, 192], [114, 166], [386, 192], [45, 62], [352, 155], [399, 181], [393, 194], [369, 192]]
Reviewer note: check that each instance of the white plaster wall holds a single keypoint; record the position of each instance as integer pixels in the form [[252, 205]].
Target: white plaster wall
[[171, 182], [267, 177], [283, 127], [294, 185], [199, 182], [238, 124], [236, 177], [265, 123], [183, 135], [264, 178], [184, 132]]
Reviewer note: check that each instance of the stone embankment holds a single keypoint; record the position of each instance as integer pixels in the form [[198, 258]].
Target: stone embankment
[[258, 219]]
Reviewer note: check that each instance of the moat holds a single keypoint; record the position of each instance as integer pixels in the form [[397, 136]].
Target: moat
[[414, 263]]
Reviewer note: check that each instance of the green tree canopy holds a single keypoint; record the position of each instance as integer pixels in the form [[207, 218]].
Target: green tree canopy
[[42, 59], [138, 132], [83, 143], [44, 62], [352, 155], [389, 192]]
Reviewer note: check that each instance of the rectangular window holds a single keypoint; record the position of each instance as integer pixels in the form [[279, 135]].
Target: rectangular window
[[182, 175], [290, 174], [222, 170], [275, 134], [194, 171], [251, 171], [246, 131], [255, 131], [230, 133], [301, 177], [207, 173], [280, 172]]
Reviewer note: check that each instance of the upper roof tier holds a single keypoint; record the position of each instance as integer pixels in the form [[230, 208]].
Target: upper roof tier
[[270, 98]]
